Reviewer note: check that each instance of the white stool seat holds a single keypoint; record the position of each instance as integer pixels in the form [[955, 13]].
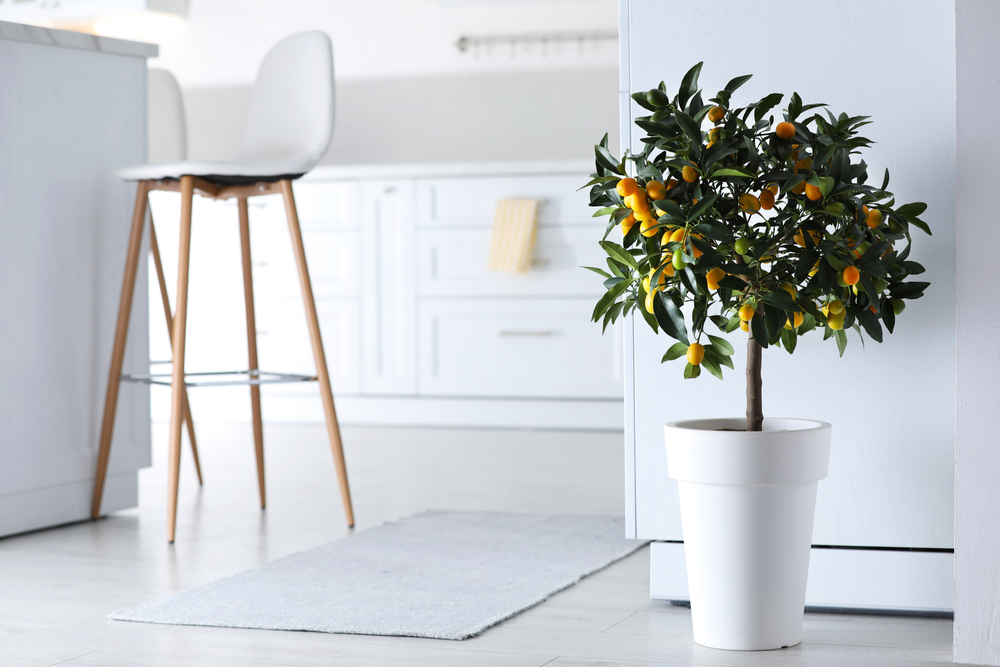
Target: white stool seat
[[223, 172]]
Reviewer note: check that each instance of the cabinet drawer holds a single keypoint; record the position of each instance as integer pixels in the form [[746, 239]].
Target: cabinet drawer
[[284, 347], [331, 254], [471, 201], [452, 262], [517, 348]]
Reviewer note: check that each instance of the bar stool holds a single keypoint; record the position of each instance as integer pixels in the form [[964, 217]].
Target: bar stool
[[289, 128]]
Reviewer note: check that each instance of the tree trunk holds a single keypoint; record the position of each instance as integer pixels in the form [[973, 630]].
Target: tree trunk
[[755, 411]]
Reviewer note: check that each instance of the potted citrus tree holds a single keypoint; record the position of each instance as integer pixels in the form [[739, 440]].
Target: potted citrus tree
[[733, 219]]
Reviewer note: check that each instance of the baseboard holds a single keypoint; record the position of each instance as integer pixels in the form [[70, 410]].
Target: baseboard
[[840, 579], [233, 405], [65, 503]]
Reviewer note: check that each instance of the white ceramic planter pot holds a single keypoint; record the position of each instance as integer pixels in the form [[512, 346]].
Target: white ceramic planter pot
[[747, 505]]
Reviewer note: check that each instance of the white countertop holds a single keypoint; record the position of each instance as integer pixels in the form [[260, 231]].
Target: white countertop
[[17, 32]]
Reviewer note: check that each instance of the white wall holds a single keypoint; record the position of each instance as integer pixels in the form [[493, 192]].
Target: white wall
[[446, 118], [892, 405], [977, 449]]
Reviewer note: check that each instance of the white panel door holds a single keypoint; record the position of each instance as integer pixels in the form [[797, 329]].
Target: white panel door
[[892, 406], [517, 348], [388, 295]]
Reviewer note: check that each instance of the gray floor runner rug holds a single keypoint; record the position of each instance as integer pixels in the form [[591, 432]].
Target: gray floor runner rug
[[442, 575]]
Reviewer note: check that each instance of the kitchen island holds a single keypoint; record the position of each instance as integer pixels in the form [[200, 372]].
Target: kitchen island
[[72, 111]]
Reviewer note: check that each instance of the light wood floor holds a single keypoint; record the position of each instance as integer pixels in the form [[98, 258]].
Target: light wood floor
[[57, 586]]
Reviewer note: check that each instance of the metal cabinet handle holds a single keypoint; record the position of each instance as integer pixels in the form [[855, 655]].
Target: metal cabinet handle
[[515, 333]]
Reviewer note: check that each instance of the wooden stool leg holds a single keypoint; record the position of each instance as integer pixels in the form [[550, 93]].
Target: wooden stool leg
[[118, 351], [178, 341], [325, 389], [258, 427], [154, 249]]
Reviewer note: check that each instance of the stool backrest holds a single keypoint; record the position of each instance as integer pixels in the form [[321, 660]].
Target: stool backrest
[[292, 105], [166, 128]]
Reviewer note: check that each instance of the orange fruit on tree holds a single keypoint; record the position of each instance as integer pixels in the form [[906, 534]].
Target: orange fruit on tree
[[627, 223], [648, 228], [794, 155], [851, 275], [795, 321], [713, 277], [785, 131], [656, 190], [749, 203], [746, 312], [744, 326], [715, 114], [715, 134], [766, 199], [671, 184], [643, 215], [696, 352], [800, 188], [874, 218], [689, 174], [805, 164], [813, 193], [678, 234], [626, 186]]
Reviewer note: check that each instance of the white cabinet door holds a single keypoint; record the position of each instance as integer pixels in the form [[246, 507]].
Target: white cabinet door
[[518, 348], [388, 295], [471, 201], [452, 262]]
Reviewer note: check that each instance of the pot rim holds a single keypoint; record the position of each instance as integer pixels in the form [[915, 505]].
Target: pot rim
[[715, 425]]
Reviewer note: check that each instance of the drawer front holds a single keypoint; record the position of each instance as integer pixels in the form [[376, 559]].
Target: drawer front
[[517, 348], [453, 263], [284, 347], [471, 201], [322, 203], [331, 255]]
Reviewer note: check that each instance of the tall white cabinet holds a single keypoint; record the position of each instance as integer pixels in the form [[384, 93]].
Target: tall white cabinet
[[887, 504], [417, 331]]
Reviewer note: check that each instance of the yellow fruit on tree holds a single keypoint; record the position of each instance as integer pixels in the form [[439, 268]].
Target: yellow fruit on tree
[[626, 187], [749, 203], [627, 223], [814, 270], [813, 193], [713, 277], [746, 312], [874, 218], [836, 322], [790, 288], [649, 302], [643, 214], [648, 228], [744, 326], [795, 321], [785, 131], [689, 174], [656, 190], [851, 275], [715, 114], [696, 352], [836, 307], [715, 134], [766, 199], [678, 235]]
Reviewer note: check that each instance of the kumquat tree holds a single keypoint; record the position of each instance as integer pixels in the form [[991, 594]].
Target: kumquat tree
[[775, 224]]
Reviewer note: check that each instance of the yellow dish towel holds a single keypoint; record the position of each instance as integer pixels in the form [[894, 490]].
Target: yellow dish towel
[[513, 235]]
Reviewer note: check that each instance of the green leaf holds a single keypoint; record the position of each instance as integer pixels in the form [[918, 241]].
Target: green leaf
[[737, 82], [607, 210], [789, 339], [670, 208], [640, 99], [689, 126], [870, 323], [607, 160], [766, 105], [715, 230], [841, 337], [730, 171], [599, 272], [609, 298], [781, 299], [774, 322], [712, 353], [691, 371], [722, 344], [910, 290], [702, 206], [618, 252], [670, 318], [689, 85], [759, 330], [676, 351], [711, 366]]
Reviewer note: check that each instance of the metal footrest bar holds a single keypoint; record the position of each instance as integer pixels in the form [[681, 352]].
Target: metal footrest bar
[[225, 378]]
